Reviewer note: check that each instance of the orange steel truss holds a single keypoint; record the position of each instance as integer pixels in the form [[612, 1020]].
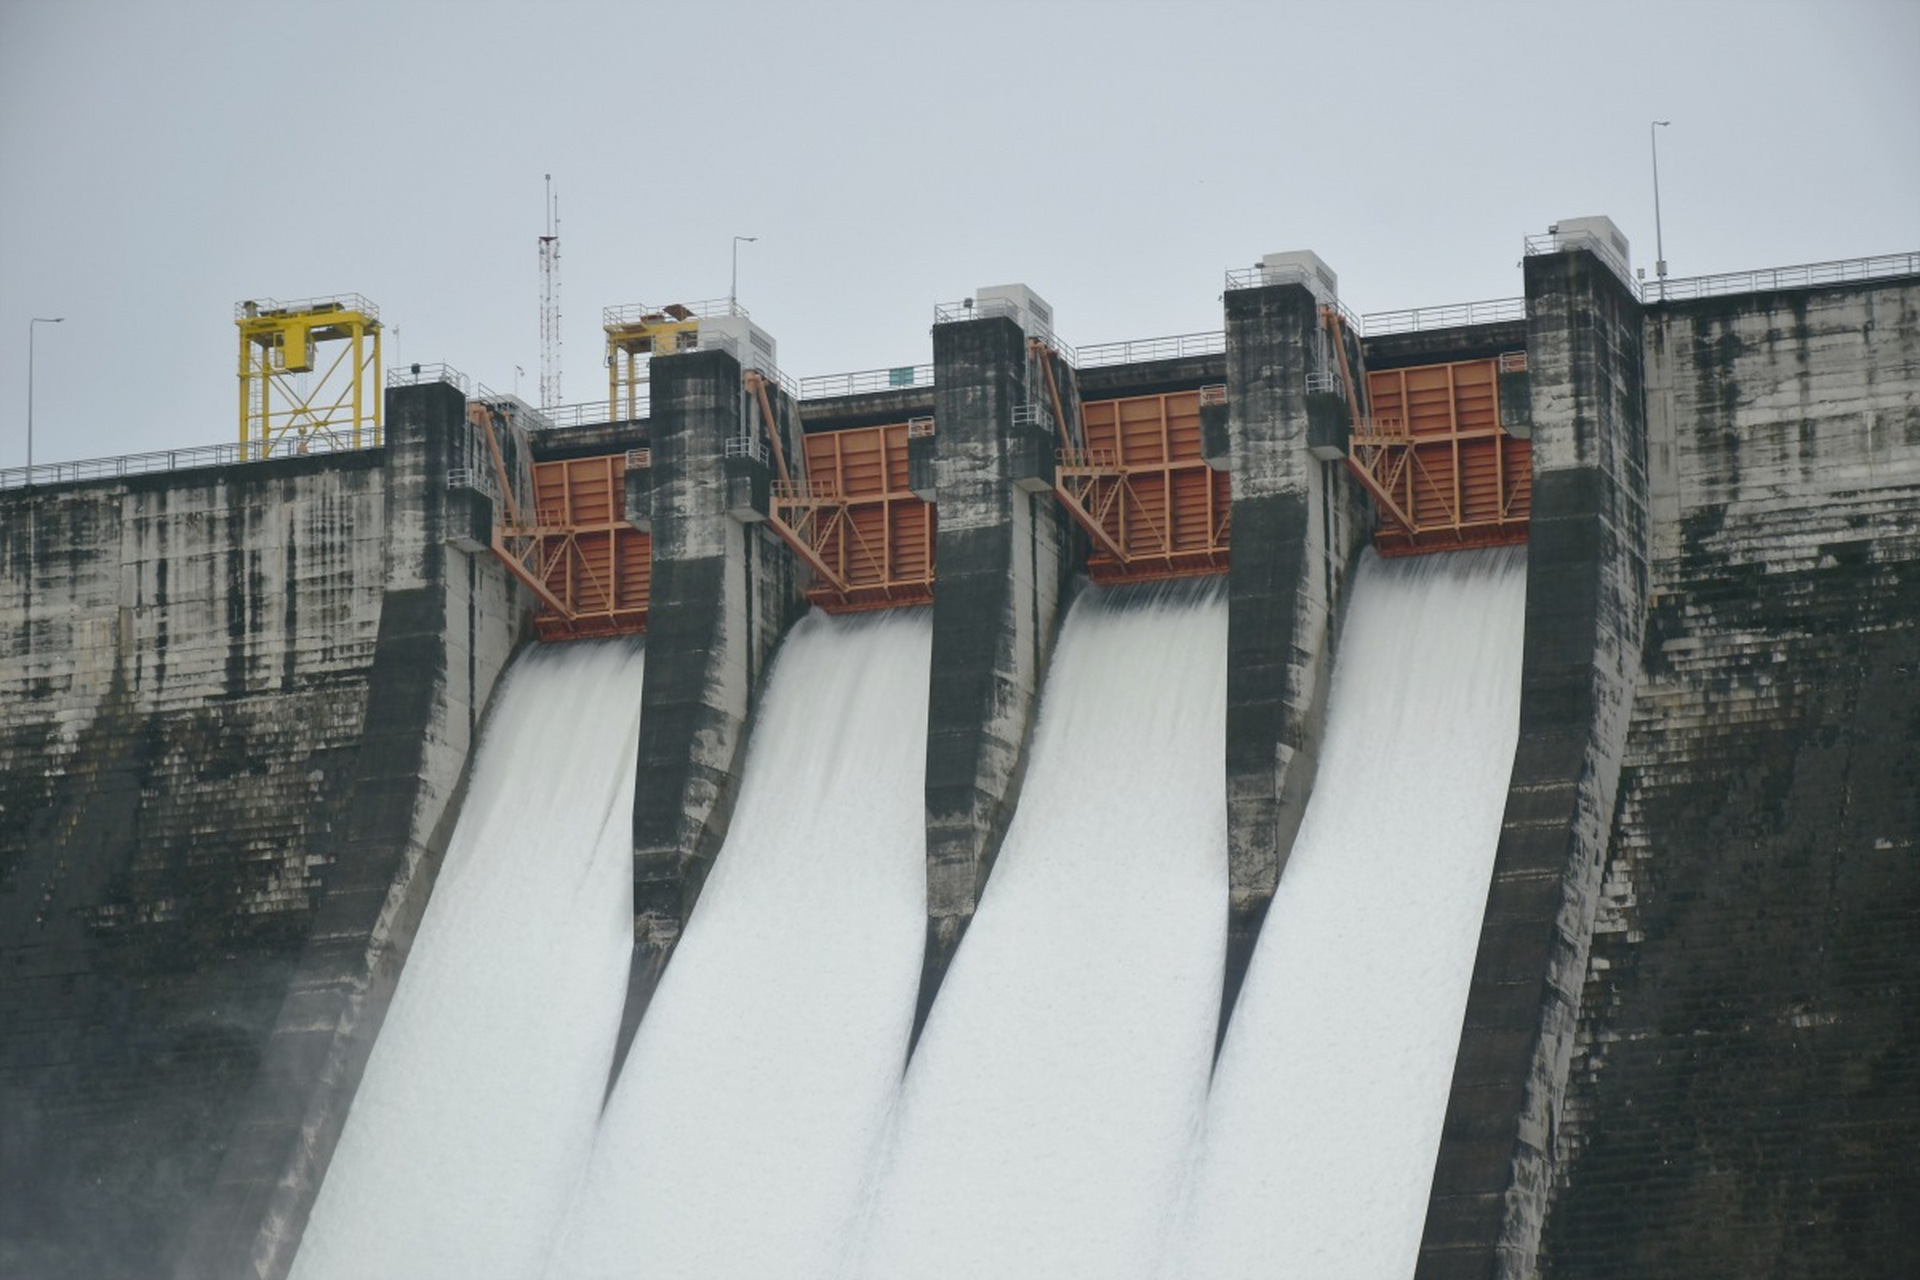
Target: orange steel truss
[[1140, 487], [1442, 472], [850, 515], [590, 569]]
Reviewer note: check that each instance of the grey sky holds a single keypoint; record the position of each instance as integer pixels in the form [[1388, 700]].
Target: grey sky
[[161, 162]]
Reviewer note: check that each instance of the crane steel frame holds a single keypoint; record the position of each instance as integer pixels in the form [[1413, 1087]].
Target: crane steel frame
[[279, 351]]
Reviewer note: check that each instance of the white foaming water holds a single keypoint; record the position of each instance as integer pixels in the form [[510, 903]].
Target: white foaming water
[[738, 1138], [1326, 1106], [477, 1110], [1047, 1115]]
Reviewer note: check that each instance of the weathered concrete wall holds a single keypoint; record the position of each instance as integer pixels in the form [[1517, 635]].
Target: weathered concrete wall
[[448, 623], [182, 690], [1000, 553], [1744, 1097], [1586, 595], [1297, 524], [202, 709], [724, 592]]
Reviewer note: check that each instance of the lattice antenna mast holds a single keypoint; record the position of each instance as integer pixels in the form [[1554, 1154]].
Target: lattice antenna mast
[[550, 303]]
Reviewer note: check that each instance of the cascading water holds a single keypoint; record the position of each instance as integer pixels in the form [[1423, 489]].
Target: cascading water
[[738, 1139], [478, 1106], [1050, 1104], [1326, 1105]]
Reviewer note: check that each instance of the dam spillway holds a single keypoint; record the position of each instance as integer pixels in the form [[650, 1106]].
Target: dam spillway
[[480, 1101], [1066, 1057], [1325, 1107], [242, 692], [737, 1139]]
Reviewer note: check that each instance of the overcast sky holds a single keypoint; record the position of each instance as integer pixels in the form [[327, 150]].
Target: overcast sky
[[160, 162]]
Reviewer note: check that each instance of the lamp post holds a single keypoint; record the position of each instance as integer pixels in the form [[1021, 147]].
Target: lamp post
[[33, 328], [1659, 241], [733, 281]]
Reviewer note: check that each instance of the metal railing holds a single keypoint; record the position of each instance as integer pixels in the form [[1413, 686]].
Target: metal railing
[[414, 375], [254, 307], [974, 309], [981, 309], [1260, 276], [593, 413], [863, 381], [1843, 271], [136, 464], [1450, 316], [1324, 382], [672, 312], [1139, 350], [1032, 415], [754, 447], [1561, 242]]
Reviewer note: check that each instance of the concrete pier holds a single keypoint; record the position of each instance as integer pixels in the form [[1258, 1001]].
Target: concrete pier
[[1586, 601], [725, 590], [1001, 556], [1297, 524]]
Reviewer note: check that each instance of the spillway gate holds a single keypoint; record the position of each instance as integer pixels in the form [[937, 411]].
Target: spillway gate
[[567, 539], [1140, 486], [1443, 472]]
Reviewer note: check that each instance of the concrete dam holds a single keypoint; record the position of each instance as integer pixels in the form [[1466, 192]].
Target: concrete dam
[[1432, 793]]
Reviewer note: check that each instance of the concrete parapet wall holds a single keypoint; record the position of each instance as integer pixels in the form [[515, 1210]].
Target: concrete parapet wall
[[1586, 596], [1001, 556], [1744, 1093], [1297, 524]]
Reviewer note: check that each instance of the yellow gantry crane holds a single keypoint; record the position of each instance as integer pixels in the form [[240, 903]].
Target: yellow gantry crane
[[635, 334], [293, 397]]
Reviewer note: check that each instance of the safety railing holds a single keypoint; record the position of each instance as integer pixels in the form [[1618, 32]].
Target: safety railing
[[1380, 431], [983, 308], [638, 312], [414, 375], [1450, 316], [253, 307], [1324, 382], [593, 413], [135, 464], [1139, 350], [754, 447], [1843, 271], [1032, 415], [1561, 242], [975, 309], [1261, 276], [864, 381]]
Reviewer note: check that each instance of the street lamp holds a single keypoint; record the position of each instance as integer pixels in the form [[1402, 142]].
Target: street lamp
[[32, 328], [733, 281], [1659, 241]]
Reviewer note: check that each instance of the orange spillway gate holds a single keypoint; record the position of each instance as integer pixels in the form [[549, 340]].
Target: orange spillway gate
[[1442, 471], [852, 517], [1140, 487], [590, 570]]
